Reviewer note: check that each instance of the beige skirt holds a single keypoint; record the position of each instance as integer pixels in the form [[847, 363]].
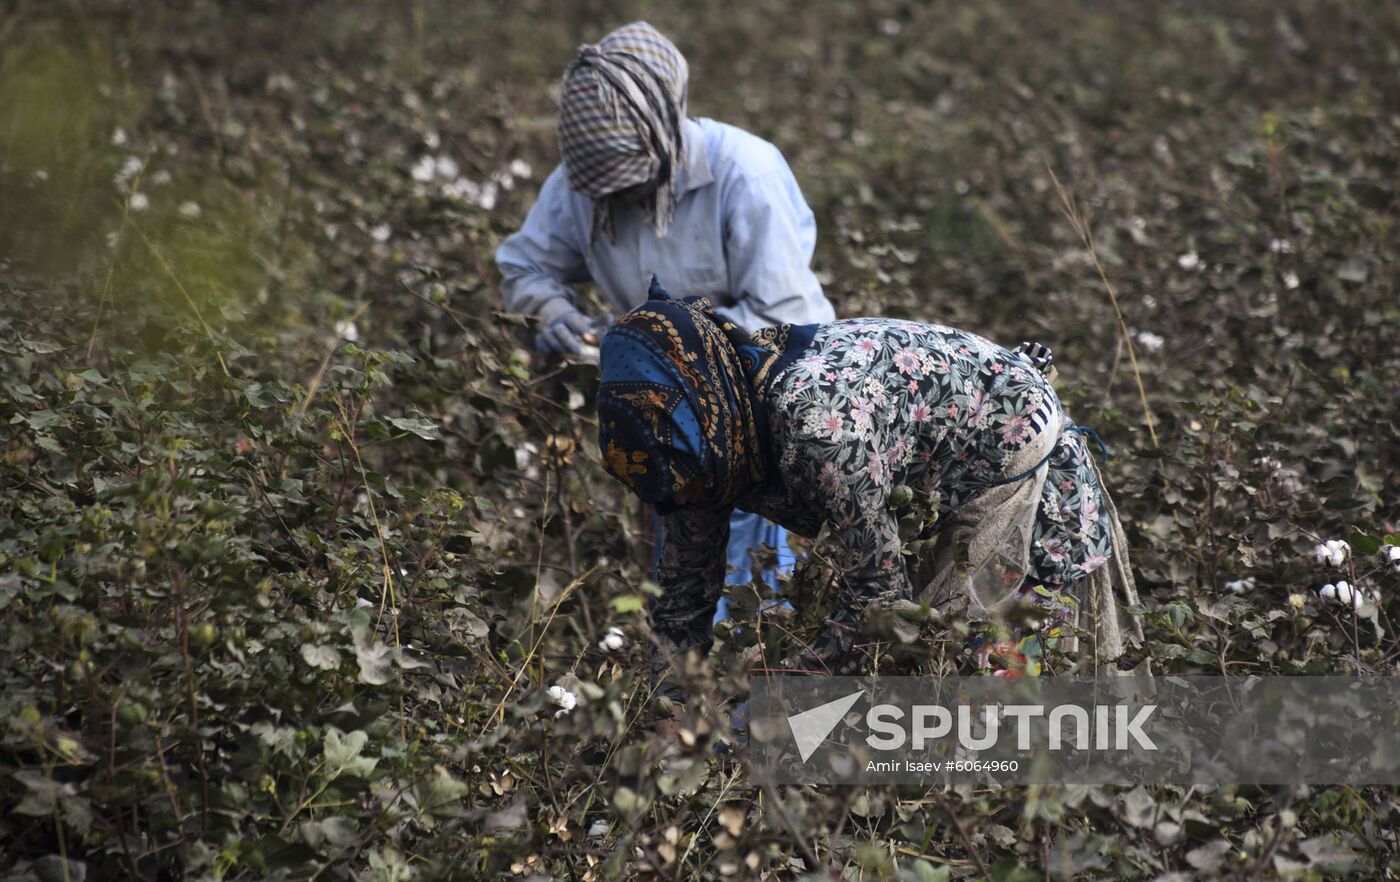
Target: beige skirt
[[983, 555]]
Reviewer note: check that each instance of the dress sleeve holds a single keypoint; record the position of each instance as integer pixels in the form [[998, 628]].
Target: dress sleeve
[[542, 261], [691, 575], [770, 234], [848, 473]]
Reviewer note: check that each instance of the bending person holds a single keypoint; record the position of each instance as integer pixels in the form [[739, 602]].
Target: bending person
[[818, 424]]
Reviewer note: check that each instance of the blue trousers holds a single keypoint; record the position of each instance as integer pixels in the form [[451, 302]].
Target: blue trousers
[[746, 532]]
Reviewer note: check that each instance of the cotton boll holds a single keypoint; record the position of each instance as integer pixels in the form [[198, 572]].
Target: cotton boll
[[613, 640], [566, 700], [1150, 341], [1333, 552], [1189, 261], [423, 170], [130, 169], [1349, 595], [1343, 593], [446, 167], [1240, 586], [1392, 554]]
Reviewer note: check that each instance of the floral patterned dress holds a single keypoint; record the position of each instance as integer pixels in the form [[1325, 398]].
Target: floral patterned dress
[[876, 403]]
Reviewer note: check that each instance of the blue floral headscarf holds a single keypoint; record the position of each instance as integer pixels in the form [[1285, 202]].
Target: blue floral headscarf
[[681, 418]]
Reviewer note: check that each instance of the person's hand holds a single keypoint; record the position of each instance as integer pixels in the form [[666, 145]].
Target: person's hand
[[569, 331], [564, 333]]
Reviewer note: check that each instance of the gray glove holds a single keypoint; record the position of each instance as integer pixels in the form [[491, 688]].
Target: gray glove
[[562, 328]]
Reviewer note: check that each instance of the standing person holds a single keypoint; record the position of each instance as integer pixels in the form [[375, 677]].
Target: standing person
[[643, 189], [813, 425]]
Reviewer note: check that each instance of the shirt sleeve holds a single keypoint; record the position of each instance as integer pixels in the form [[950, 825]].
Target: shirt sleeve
[[542, 261], [849, 479], [770, 234], [691, 574]]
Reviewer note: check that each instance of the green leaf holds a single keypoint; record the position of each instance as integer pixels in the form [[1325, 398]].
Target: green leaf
[[343, 754], [1361, 543], [628, 603], [425, 429], [1207, 857], [1011, 870], [335, 832], [441, 794], [327, 658], [376, 659], [926, 872], [41, 794]]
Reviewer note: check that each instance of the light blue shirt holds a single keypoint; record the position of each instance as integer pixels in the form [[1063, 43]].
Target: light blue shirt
[[742, 235]]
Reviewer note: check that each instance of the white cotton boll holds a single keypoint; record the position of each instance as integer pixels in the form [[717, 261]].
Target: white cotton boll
[[461, 188], [130, 169], [525, 454], [139, 202], [1392, 554], [190, 210], [487, 197], [423, 170], [566, 700], [381, 233], [613, 640], [346, 330], [1333, 552], [446, 167], [1281, 246], [520, 168], [118, 137], [588, 354], [1343, 593], [1349, 595], [1189, 261], [1290, 280], [1240, 586], [1150, 341]]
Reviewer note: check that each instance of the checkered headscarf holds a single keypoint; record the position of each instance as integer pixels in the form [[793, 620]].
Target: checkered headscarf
[[620, 121]]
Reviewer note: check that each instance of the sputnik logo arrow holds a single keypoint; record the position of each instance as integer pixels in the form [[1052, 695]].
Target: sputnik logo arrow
[[810, 728]]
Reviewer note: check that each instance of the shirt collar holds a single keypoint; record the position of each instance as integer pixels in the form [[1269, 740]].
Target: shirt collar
[[695, 161]]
